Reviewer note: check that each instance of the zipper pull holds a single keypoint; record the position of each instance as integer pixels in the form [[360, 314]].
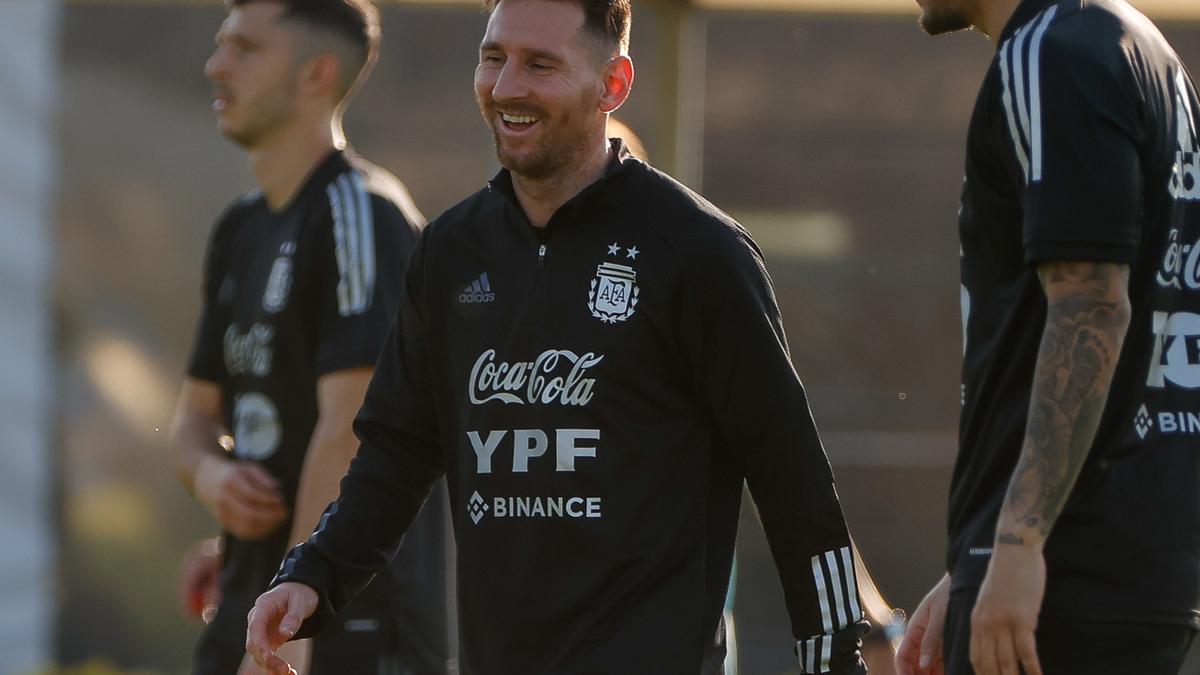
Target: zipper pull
[[541, 256]]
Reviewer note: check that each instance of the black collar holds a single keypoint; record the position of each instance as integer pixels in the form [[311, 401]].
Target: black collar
[[620, 160]]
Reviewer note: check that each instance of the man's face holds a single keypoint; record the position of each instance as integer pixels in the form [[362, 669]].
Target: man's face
[[538, 85], [944, 16], [253, 73]]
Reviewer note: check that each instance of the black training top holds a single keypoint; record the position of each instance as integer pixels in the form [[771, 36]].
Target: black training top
[[1083, 147], [596, 393], [289, 297]]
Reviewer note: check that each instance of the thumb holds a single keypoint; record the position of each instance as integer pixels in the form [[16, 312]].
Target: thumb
[[299, 604], [290, 622]]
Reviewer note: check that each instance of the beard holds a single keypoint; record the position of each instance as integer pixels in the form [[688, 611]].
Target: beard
[[562, 143], [939, 19], [263, 114]]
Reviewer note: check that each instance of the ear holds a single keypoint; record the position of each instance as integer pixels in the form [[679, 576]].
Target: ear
[[617, 79], [321, 75]]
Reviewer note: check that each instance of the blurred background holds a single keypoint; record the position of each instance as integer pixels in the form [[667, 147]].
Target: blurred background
[[834, 129]]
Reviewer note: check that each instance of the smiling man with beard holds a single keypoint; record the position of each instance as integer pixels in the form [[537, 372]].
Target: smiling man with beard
[[593, 355]]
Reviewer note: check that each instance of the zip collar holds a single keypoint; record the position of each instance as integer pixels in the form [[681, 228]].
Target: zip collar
[[620, 160]]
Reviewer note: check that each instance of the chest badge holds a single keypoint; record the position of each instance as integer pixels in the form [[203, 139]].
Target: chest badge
[[613, 295]]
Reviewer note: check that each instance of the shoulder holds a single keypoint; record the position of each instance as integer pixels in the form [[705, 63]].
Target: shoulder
[[693, 226], [363, 196], [388, 194], [1086, 33], [466, 214]]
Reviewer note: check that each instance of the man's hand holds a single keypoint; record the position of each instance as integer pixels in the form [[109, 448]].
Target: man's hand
[[920, 651], [275, 618], [297, 653], [1005, 616], [241, 495], [199, 572]]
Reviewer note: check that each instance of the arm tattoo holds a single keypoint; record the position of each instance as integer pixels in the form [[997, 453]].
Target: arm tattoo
[[1086, 320]]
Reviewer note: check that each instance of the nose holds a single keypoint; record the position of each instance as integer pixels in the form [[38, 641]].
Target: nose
[[214, 67], [510, 84]]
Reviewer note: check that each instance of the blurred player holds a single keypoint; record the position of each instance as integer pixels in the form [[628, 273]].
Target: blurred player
[[593, 355], [1074, 509], [301, 281]]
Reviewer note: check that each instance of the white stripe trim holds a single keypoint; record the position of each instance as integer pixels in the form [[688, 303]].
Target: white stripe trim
[[353, 252], [366, 222], [339, 246], [1035, 91], [856, 614], [1019, 68], [1182, 94], [822, 595], [1008, 110], [837, 589], [810, 665], [826, 652]]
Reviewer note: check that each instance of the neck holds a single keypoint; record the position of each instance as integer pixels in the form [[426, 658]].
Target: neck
[[540, 198], [283, 160], [993, 17]]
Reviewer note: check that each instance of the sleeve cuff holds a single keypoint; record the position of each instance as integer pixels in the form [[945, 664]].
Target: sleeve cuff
[[835, 653], [1044, 251], [302, 566]]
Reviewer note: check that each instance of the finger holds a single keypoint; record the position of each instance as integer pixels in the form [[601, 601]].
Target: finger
[[1006, 654], [983, 653], [259, 476], [931, 643], [291, 621], [1026, 645], [246, 488], [907, 654], [246, 517], [277, 666], [260, 629]]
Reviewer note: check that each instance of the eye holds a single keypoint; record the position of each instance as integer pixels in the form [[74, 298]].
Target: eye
[[490, 59], [540, 67]]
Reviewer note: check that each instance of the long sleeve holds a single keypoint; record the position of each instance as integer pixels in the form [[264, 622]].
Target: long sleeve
[[733, 339], [397, 463]]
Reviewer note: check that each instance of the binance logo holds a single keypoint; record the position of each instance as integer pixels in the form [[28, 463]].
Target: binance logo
[[1142, 422], [476, 507]]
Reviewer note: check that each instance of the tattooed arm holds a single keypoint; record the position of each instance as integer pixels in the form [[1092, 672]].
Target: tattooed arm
[[1087, 317]]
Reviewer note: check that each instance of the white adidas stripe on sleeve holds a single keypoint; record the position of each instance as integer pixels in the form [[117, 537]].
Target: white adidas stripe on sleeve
[[1020, 75], [833, 574], [354, 243]]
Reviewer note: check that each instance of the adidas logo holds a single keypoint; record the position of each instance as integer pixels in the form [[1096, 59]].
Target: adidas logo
[[1185, 175], [480, 290]]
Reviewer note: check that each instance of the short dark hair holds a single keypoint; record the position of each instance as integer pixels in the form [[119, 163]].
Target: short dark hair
[[608, 21], [355, 22]]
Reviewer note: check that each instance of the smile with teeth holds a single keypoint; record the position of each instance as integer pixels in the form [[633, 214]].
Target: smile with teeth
[[518, 119]]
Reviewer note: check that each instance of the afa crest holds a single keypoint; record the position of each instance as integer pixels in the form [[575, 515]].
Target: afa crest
[[614, 293]]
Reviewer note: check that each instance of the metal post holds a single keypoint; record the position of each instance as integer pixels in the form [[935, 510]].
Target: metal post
[[682, 39], [29, 41]]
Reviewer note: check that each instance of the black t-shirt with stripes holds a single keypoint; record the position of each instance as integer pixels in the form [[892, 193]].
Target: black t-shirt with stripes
[[288, 297], [1083, 147]]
